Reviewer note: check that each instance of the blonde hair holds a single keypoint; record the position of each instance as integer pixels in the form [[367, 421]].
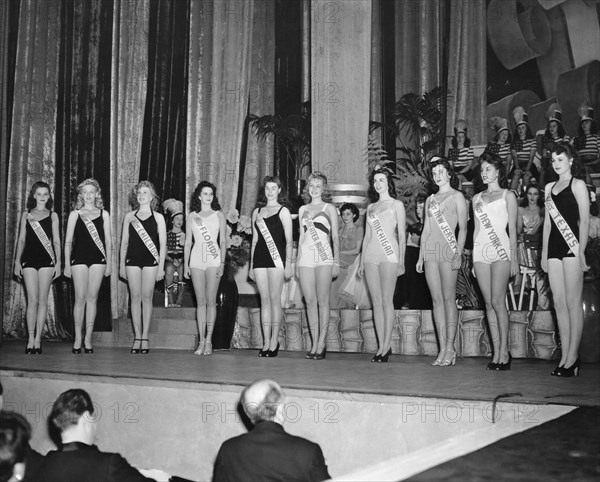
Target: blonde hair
[[98, 203], [326, 196], [134, 192]]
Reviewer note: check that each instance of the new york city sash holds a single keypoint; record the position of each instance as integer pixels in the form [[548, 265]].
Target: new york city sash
[[42, 236], [271, 246], [443, 224], [211, 245], [324, 250], [91, 227], [486, 224], [561, 223], [145, 237], [382, 237]]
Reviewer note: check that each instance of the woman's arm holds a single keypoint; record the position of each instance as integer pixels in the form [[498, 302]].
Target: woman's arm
[[511, 203], [124, 245], [107, 242], [162, 240], [18, 269], [335, 239], [365, 243], [401, 226], [69, 241], [424, 235], [253, 245], [286, 220], [461, 211], [223, 243], [57, 245], [187, 247], [546, 235], [583, 204]]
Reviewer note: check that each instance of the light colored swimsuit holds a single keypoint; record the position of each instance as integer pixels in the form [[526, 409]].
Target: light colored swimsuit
[[309, 256], [435, 246], [374, 252], [494, 214], [204, 255]]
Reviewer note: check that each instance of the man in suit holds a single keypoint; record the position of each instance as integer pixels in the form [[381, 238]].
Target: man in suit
[[79, 460], [267, 452]]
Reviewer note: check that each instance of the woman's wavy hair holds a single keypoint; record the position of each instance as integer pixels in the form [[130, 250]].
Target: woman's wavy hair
[[525, 201], [563, 147], [353, 209], [561, 130], [281, 197], [98, 203], [31, 202], [442, 161], [528, 133], [508, 139], [196, 204], [454, 142], [326, 196], [387, 172], [593, 128], [495, 161], [154, 204]]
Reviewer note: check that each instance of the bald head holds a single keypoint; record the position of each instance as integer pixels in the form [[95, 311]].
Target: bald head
[[260, 400]]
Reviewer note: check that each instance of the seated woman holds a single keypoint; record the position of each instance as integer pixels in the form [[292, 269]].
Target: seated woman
[[461, 155], [587, 144], [174, 284], [522, 151]]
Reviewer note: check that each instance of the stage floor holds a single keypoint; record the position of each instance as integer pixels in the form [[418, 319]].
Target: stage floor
[[411, 376]]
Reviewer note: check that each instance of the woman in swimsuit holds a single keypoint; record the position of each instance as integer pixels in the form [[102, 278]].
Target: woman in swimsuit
[[383, 254], [441, 254], [495, 252], [206, 227], [563, 252], [270, 259], [143, 252], [318, 260], [37, 260], [87, 257]]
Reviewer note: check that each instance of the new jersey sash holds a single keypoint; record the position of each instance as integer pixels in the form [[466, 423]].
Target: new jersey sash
[[439, 218]]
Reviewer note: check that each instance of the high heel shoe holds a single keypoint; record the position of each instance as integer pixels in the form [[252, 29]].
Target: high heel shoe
[[492, 366], [438, 361], [385, 358], [37, 350], [262, 353], [503, 367], [145, 351], [572, 371], [272, 353], [29, 351], [76, 351], [200, 349], [310, 355], [134, 350], [207, 347], [322, 355], [449, 362], [375, 358], [558, 368], [88, 350]]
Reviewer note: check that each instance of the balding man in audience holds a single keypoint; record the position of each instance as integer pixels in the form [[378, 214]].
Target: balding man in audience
[[267, 452]]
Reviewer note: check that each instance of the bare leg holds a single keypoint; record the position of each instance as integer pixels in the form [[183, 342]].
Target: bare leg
[[262, 282], [44, 281], [387, 274], [199, 284], [79, 273], [309, 290], [374, 285], [574, 289], [323, 285], [30, 277], [212, 286], [148, 282], [95, 277], [483, 273], [134, 279], [434, 281], [500, 275], [276, 279]]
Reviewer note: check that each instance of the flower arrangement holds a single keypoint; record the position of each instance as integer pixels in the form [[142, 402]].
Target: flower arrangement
[[239, 238]]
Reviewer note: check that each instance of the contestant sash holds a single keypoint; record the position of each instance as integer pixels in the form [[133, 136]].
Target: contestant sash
[[145, 237], [486, 224], [271, 246], [211, 246], [91, 227], [443, 224], [561, 223], [323, 249], [42, 236], [382, 237]]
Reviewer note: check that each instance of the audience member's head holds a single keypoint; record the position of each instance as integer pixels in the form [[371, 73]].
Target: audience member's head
[[263, 401], [72, 415], [15, 433]]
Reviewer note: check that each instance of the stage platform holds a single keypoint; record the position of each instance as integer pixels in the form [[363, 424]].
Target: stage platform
[[172, 410]]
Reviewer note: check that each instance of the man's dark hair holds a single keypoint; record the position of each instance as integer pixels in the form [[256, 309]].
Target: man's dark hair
[[265, 410], [69, 407], [15, 433]]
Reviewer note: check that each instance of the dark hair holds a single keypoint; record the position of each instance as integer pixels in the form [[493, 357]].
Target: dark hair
[[371, 193], [15, 433], [31, 202], [528, 133], [351, 207], [170, 221], [326, 196], [593, 128], [442, 161], [563, 147], [508, 139], [525, 201], [281, 197], [495, 161], [69, 407], [420, 198], [561, 130], [265, 410], [134, 192], [454, 142], [196, 204], [593, 204]]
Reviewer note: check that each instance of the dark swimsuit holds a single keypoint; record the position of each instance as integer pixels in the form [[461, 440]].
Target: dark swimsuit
[[34, 254], [85, 250], [567, 206], [262, 256], [137, 252]]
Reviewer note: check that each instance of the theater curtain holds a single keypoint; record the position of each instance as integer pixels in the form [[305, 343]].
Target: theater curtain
[[163, 142], [258, 162], [218, 85], [32, 143], [128, 85], [467, 67]]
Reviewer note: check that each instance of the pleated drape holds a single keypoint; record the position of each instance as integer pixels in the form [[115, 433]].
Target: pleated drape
[[163, 142], [259, 155], [128, 85], [32, 143], [83, 122], [467, 67], [218, 85]]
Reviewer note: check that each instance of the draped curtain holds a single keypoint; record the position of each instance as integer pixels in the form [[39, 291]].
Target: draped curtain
[[163, 142], [32, 142], [467, 67], [128, 85], [218, 89], [83, 122]]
